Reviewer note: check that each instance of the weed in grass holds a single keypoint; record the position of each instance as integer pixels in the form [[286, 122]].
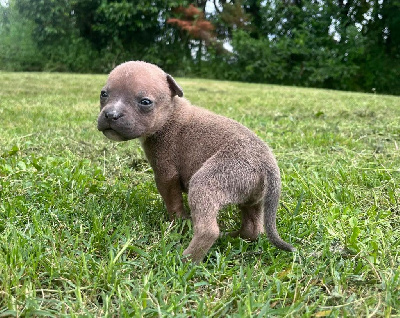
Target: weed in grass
[[83, 231]]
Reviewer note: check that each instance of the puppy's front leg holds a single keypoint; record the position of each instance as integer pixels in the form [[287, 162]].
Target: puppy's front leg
[[171, 193]]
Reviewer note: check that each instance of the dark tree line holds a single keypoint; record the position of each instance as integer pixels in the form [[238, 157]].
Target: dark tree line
[[340, 44]]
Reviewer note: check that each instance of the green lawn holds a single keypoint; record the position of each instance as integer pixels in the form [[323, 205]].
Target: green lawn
[[84, 232]]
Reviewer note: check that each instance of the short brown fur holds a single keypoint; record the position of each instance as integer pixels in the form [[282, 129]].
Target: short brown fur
[[216, 160]]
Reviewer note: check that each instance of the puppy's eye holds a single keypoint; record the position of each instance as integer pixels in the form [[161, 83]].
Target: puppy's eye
[[146, 102], [103, 94]]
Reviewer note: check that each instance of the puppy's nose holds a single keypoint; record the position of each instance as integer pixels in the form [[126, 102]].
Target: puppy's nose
[[113, 114]]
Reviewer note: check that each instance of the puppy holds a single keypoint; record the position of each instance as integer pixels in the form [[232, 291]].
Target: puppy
[[216, 160]]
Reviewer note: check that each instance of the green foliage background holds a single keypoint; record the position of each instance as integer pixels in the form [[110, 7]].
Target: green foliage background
[[347, 45]]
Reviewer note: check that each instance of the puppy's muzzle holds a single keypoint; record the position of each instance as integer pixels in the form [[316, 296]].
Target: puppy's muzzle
[[111, 124]]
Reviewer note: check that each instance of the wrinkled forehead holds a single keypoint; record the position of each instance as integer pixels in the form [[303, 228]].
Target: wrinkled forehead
[[138, 77]]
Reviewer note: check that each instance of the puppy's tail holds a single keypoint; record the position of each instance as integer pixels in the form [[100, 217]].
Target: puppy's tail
[[270, 208]]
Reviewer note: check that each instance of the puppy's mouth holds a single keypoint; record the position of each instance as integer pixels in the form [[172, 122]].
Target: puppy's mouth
[[113, 135], [117, 131]]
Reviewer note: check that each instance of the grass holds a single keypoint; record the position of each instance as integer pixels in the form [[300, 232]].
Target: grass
[[83, 231]]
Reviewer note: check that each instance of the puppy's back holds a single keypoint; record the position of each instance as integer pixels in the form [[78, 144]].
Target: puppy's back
[[200, 134]]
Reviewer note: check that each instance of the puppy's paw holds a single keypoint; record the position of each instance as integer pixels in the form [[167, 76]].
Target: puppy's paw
[[195, 258]]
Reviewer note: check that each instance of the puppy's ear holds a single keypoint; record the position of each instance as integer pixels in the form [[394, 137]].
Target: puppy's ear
[[174, 87]]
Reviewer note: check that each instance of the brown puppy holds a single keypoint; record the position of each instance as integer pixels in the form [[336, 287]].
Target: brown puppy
[[215, 159]]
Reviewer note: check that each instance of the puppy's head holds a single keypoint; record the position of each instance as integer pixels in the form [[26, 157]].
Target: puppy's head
[[136, 101]]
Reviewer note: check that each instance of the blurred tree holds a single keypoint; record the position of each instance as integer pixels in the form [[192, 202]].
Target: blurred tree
[[231, 16], [335, 44], [341, 44], [84, 35], [192, 21], [18, 49]]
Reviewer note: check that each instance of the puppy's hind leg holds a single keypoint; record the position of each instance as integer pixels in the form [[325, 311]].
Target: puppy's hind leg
[[252, 222], [204, 205]]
